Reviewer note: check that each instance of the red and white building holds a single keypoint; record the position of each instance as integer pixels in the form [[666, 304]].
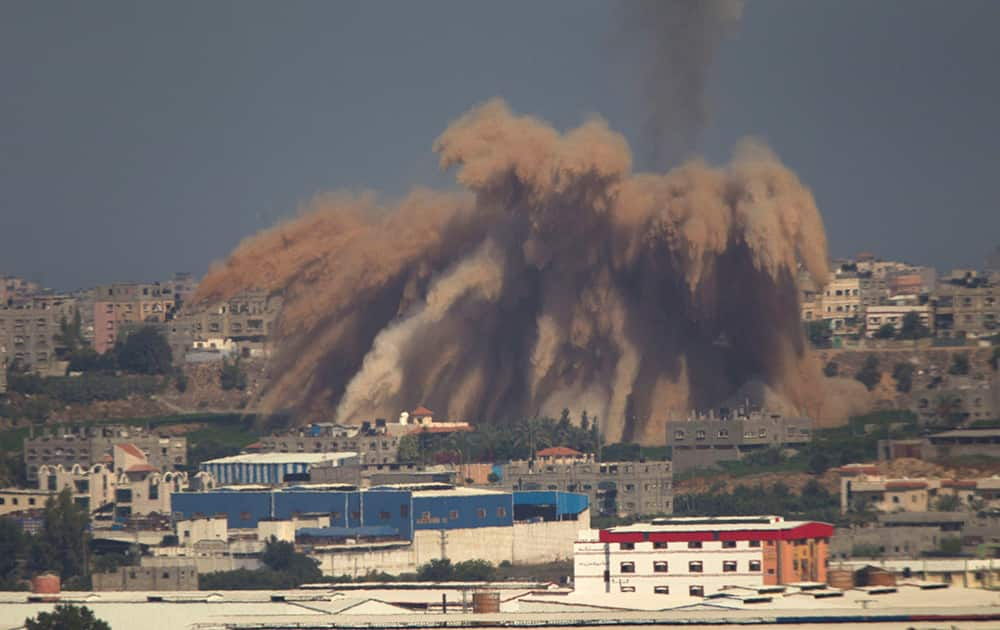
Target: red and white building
[[698, 556]]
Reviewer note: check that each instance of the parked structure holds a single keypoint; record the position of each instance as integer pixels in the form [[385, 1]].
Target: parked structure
[[947, 444], [699, 556], [613, 488], [703, 440], [95, 444]]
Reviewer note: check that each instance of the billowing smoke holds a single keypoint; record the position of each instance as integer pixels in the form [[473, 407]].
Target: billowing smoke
[[560, 278], [675, 43]]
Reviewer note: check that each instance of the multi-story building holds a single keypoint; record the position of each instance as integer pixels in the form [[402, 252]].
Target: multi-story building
[[879, 315], [373, 444], [696, 557], [12, 287], [21, 499], [95, 445], [117, 305], [241, 325], [271, 468], [29, 329], [613, 488], [128, 484], [703, 440], [967, 306]]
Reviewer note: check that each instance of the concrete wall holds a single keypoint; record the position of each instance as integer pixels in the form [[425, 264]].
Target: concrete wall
[[147, 578], [493, 544], [548, 541], [392, 560], [204, 563]]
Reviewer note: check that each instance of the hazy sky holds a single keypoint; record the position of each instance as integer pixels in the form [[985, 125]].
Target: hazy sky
[[137, 139]]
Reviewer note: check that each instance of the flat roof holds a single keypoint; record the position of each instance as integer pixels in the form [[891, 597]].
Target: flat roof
[[457, 491], [711, 525], [959, 433], [282, 458]]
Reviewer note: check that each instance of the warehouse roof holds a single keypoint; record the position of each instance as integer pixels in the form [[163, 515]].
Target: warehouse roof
[[282, 458]]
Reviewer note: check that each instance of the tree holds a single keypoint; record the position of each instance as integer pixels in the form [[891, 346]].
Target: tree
[[231, 375], [903, 373], [886, 331], [437, 570], [959, 364], [912, 327], [949, 409], [831, 369], [818, 332], [869, 374], [60, 545], [281, 556], [145, 351], [950, 546], [69, 339], [948, 503], [474, 571], [13, 544], [66, 617]]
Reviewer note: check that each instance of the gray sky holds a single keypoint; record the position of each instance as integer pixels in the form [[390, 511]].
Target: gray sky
[[137, 139]]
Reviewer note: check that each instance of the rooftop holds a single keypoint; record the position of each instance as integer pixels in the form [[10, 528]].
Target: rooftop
[[282, 458], [558, 451]]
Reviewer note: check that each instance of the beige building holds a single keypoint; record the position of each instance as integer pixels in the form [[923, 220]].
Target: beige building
[[118, 305], [879, 315], [241, 325], [864, 492], [144, 578], [20, 499]]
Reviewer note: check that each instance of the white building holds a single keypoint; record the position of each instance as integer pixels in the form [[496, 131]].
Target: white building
[[694, 557], [270, 468], [893, 314]]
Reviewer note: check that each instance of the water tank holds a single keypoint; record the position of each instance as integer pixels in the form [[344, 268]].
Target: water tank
[[46, 583], [486, 602], [877, 576], [842, 579]]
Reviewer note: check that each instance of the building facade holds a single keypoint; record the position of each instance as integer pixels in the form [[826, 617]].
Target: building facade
[[29, 329], [373, 443], [703, 440], [613, 488], [95, 445], [271, 468], [165, 578], [696, 557], [119, 306], [968, 306]]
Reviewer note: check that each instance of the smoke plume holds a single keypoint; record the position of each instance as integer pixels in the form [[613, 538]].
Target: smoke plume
[[558, 278], [675, 43]]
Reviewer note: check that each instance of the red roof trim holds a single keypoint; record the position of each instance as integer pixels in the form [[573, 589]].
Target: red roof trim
[[422, 411], [131, 449], [558, 451], [800, 532], [960, 484], [905, 485]]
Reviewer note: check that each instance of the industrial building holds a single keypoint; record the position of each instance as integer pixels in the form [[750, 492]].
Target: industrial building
[[271, 468], [398, 528], [696, 557]]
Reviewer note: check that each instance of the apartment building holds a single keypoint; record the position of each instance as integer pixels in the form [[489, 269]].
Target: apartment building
[[613, 488], [21, 499], [696, 557], [118, 305], [967, 306], [703, 440], [877, 316], [95, 445], [28, 331]]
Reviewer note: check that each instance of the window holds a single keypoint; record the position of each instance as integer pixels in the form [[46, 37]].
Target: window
[[501, 512], [699, 435], [245, 516], [696, 590], [729, 566], [627, 589], [481, 513], [678, 435], [694, 566], [729, 544], [660, 544], [723, 433], [628, 567], [694, 544], [453, 515], [661, 590], [660, 566], [755, 565], [626, 546], [384, 516], [355, 515]]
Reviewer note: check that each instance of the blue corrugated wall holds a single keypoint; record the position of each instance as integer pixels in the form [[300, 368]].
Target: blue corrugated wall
[[243, 509], [463, 512]]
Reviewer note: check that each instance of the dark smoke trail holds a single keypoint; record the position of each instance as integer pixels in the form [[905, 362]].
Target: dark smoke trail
[[675, 42]]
